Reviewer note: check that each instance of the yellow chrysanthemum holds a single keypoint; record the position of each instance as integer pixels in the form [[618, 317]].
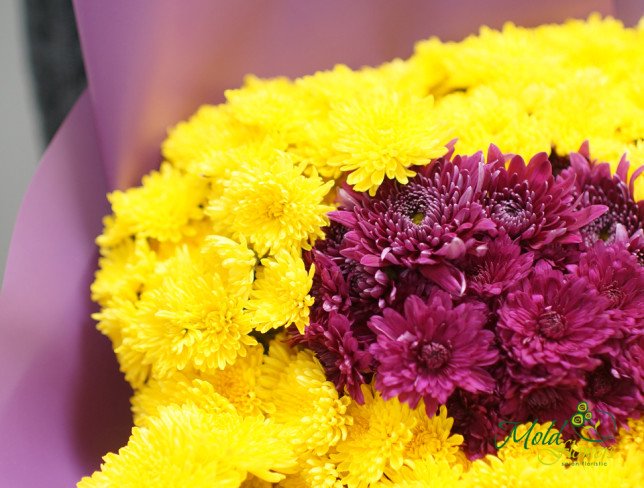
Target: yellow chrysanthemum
[[632, 436], [519, 472], [234, 261], [163, 207], [599, 116], [292, 117], [590, 77], [192, 319], [177, 389], [123, 271], [165, 250], [217, 165], [297, 396], [314, 472], [381, 134], [187, 446], [424, 472], [119, 322], [274, 106], [115, 318], [481, 117], [377, 440], [211, 130], [236, 384], [273, 205], [431, 437], [115, 232], [280, 293]]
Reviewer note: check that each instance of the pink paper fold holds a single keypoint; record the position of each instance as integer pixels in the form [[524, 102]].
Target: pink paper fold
[[63, 402], [150, 63]]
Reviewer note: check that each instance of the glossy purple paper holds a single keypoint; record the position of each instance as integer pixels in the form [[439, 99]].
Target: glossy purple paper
[[150, 63]]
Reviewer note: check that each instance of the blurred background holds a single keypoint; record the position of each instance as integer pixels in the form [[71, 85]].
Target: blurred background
[[42, 75]]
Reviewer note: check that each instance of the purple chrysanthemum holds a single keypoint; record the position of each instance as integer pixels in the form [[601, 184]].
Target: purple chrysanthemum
[[617, 275], [499, 269], [614, 398], [369, 288], [431, 350], [533, 208], [596, 186], [634, 242], [561, 256], [345, 357], [332, 243], [543, 398], [476, 418], [405, 282], [555, 321], [630, 364], [330, 289], [343, 285], [432, 220]]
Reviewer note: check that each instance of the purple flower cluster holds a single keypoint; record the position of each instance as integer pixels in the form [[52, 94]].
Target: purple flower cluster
[[489, 285]]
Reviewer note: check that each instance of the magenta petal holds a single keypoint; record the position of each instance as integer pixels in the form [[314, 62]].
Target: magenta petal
[[494, 154], [517, 165], [371, 261], [588, 214], [622, 168], [343, 217], [579, 164], [455, 249], [635, 175], [539, 169], [447, 277]]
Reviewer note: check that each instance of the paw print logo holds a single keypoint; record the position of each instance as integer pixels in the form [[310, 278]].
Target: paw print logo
[[582, 415]]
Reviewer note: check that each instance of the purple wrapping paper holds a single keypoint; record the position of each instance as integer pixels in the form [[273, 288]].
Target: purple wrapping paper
[[150, 63]]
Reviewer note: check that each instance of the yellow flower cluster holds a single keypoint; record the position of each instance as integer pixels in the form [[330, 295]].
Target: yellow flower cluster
[[205, 257], [272, 418]]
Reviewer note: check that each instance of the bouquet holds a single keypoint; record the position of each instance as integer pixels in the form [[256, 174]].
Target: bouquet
[[428, 272]]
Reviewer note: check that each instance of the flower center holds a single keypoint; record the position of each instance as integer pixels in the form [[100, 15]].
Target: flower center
[[434, 355], [622, 209], [417, 218], [600, 229], [479, 273], [510, 212], [551, 324], [275, 210], [416, 204], [614, 294], [360, 282]]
